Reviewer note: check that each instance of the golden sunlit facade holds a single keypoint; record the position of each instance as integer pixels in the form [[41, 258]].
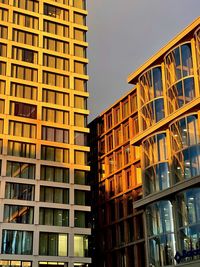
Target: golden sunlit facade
[[43, 129], [168, 94], [118, 234]]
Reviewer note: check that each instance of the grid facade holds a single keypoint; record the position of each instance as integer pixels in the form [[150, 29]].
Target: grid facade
[[118, 230], [43, 129]]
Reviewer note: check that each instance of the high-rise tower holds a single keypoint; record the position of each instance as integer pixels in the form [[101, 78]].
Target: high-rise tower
[[43, 116]]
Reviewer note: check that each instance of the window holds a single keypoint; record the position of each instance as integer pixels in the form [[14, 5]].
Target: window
[[118, 136], [1, 126], [110, 164], [2, 68], [119, 183], [126, 135], [109, 142], [17, 242], [23, 91], [54, 79], [3, 50], [101, 146], [79, 35], [80, 102], [80, 68], [53, 244], [18, 214], [55, 134], [20, 170], [56, 217], [120, 208], [80, 157], [24, 73], [80, 120], [22, 129], [81, 197], [19, 191], [109, 120], [135, 125], [54, 154], [79, 4], [125, 109], [19, 149], [118, 157], [80, 177], [128, 179], [55, 62], [56, 45], [3, 32], [55, 115], [3, 14], [54, 195], [31, 5], [79, 51], [80, 138], [56, 12], [117, 114], [56, 28], [54, 174], [1, 146], [7, 263], [79, 18], [80, 85], [26, 20], [2, 106], [23, 110], [127, 155], [133, 103], [25, 37], [55, 97], [111, 187], [80, 246], [2, 87], [26, 55], [81, 219]]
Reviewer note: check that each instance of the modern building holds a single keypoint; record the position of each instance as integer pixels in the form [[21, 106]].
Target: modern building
[[118, 234], [43, 117], [167, 87]]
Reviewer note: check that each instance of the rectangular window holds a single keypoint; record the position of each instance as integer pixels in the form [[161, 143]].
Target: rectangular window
[[125, 109], [3, 14], [1, 146], [117, 114], [56, 28], [55, 97], [80, 157], [23, 110], [79, 51], [54, 195], [55, 62], [80, 138], [3, 32], [2, 87], [25, 20], [23, 91], [20, 170], [18, 214], [79, 35], [79, 4], [53, 244], [80, 120], [56, 12], [135, 125], [2, 106], [1, 126], [80, 68], [56, 217], [118, 157], [119, 183], [80, 85], [80, 177], [25, 37], [109, 142], [19, 191], [26, 55], [110, 164], [17, 242], [19, 149], [118, 136], [109, 120], [56, 45], [22, 129], [127, 155], [2, 68], [126, 135], [3, 50], [24, 73], [81, 197], [55, 115], [79, 18], [80, 246], [54, 154], [54, 174], [128, 178], [31, 5], [54, 79], [81, 219], [55, 134], [133, 103], [80, 102]]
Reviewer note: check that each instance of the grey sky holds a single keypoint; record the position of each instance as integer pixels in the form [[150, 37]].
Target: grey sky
[[122, 35]]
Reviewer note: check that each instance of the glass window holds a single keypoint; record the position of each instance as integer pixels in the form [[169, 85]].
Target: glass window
[[19, 191], [23, 110], [80, 120], [54, 154], [81, 219], [80, 246], [80, 138], [17, 242], [20, 149], [54, 174], [54, 195], [81, 197], [56, 217], [18, 214], [80, 177], [20, 170]]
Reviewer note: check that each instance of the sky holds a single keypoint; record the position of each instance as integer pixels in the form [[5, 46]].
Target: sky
[[122, 35]]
